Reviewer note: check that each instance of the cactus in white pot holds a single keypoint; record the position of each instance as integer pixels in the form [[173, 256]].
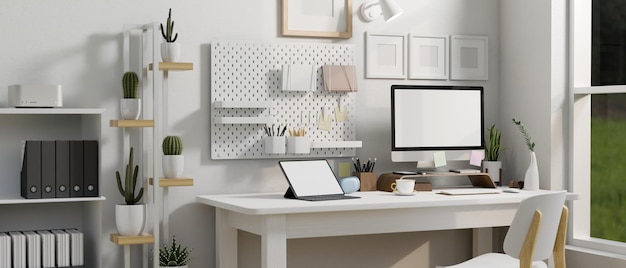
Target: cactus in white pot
[[173, 160], [130, 105]]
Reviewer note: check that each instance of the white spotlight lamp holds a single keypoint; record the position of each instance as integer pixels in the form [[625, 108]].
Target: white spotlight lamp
[[389, 9]]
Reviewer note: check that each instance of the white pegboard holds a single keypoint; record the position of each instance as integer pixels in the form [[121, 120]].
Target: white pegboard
[[246, 72]]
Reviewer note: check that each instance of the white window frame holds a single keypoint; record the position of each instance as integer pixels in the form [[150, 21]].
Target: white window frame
[[580, 129]]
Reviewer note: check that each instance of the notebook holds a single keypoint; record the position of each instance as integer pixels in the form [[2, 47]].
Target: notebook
[[311, 180]]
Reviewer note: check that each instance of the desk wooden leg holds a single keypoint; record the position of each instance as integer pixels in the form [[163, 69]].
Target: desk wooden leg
[[482, 241], [225, 240], [274, 242]]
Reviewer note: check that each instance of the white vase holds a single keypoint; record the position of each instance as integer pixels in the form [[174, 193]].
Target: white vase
[[170, 52], [173, 166], [130, 220], [130, 108], [531, 180], [493, 168]]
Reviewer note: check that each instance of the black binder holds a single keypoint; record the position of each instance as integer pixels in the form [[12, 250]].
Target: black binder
[[48, 169], [90, 168], [30, 182], [76, 169], [62, 170]]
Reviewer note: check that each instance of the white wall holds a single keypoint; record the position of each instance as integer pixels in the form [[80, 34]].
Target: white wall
[[78, 44]]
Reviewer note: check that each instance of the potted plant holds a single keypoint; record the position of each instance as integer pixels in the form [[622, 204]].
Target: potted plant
[[174, 255], [170, 51], [173, 160], [491, 164], [130, 105], [130, 218], [531, 179]]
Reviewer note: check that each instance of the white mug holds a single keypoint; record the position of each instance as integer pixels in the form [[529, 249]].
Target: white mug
[[403, 186]]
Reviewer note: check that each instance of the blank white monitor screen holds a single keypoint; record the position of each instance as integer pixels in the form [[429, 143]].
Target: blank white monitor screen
[[310, 177], [431, 118]]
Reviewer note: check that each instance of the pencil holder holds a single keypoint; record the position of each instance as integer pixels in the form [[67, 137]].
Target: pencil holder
[[298, 145], [368, 180], [274, 145]]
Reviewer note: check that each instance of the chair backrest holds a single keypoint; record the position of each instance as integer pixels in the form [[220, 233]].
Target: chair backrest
[[550, 206]]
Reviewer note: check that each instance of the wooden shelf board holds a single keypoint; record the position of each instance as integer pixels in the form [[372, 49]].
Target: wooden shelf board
[[173, 66], [132, 240], [132, 123], [172, 182]]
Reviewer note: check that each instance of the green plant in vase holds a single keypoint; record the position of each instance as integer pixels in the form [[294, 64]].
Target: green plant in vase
[[531, 179], [130, 105], [173, 160], [130, 217], [170, 51], [493, 148]]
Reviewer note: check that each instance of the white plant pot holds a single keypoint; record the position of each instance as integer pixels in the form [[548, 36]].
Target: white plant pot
[[130, 219], [173, 166], [493, 168], [130, 108], [170, 52]]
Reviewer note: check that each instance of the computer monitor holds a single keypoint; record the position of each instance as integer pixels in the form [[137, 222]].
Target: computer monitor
[[430, 119]]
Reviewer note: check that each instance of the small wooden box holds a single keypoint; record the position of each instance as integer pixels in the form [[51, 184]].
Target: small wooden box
[[386, 179], [368, 180]]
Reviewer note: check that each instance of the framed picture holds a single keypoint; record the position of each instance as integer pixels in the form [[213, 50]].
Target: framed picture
[[317, 18], [469, 57], [384, 56], [428, 57]]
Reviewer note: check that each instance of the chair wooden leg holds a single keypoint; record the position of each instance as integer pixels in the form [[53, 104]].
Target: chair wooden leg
[[526, 254], [558, 253]]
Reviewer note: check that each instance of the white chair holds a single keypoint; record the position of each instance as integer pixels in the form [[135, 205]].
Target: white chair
[[537, 232]]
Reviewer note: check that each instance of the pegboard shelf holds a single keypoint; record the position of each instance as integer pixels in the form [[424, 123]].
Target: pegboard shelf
[[244, 120], [243, 104], [336, 144], [246, 76]]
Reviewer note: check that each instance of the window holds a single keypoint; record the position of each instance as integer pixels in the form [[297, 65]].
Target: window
[[599, 123]]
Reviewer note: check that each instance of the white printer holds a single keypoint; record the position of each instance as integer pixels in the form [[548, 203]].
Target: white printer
[[35, 96]]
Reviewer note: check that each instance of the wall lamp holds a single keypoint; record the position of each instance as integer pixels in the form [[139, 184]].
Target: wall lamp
[[389, 9]]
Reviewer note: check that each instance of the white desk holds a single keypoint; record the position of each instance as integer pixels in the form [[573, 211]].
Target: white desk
[[277, 219]]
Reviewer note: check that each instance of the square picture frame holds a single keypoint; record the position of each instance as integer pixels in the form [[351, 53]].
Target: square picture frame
[[317, 18], [469, 57], [385, 56], [428, 57]]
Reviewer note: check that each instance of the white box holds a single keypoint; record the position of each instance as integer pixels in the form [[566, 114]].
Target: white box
[[35, 96]]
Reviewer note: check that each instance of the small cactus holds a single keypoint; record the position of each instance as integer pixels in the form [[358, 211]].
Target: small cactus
[[130, 182], [167, 34], [172, 145], [130, 83]]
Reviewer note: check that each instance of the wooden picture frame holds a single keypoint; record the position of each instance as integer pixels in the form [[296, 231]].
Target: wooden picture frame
[[384, 56], [323, 18], [428, 57], [469, 57]]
